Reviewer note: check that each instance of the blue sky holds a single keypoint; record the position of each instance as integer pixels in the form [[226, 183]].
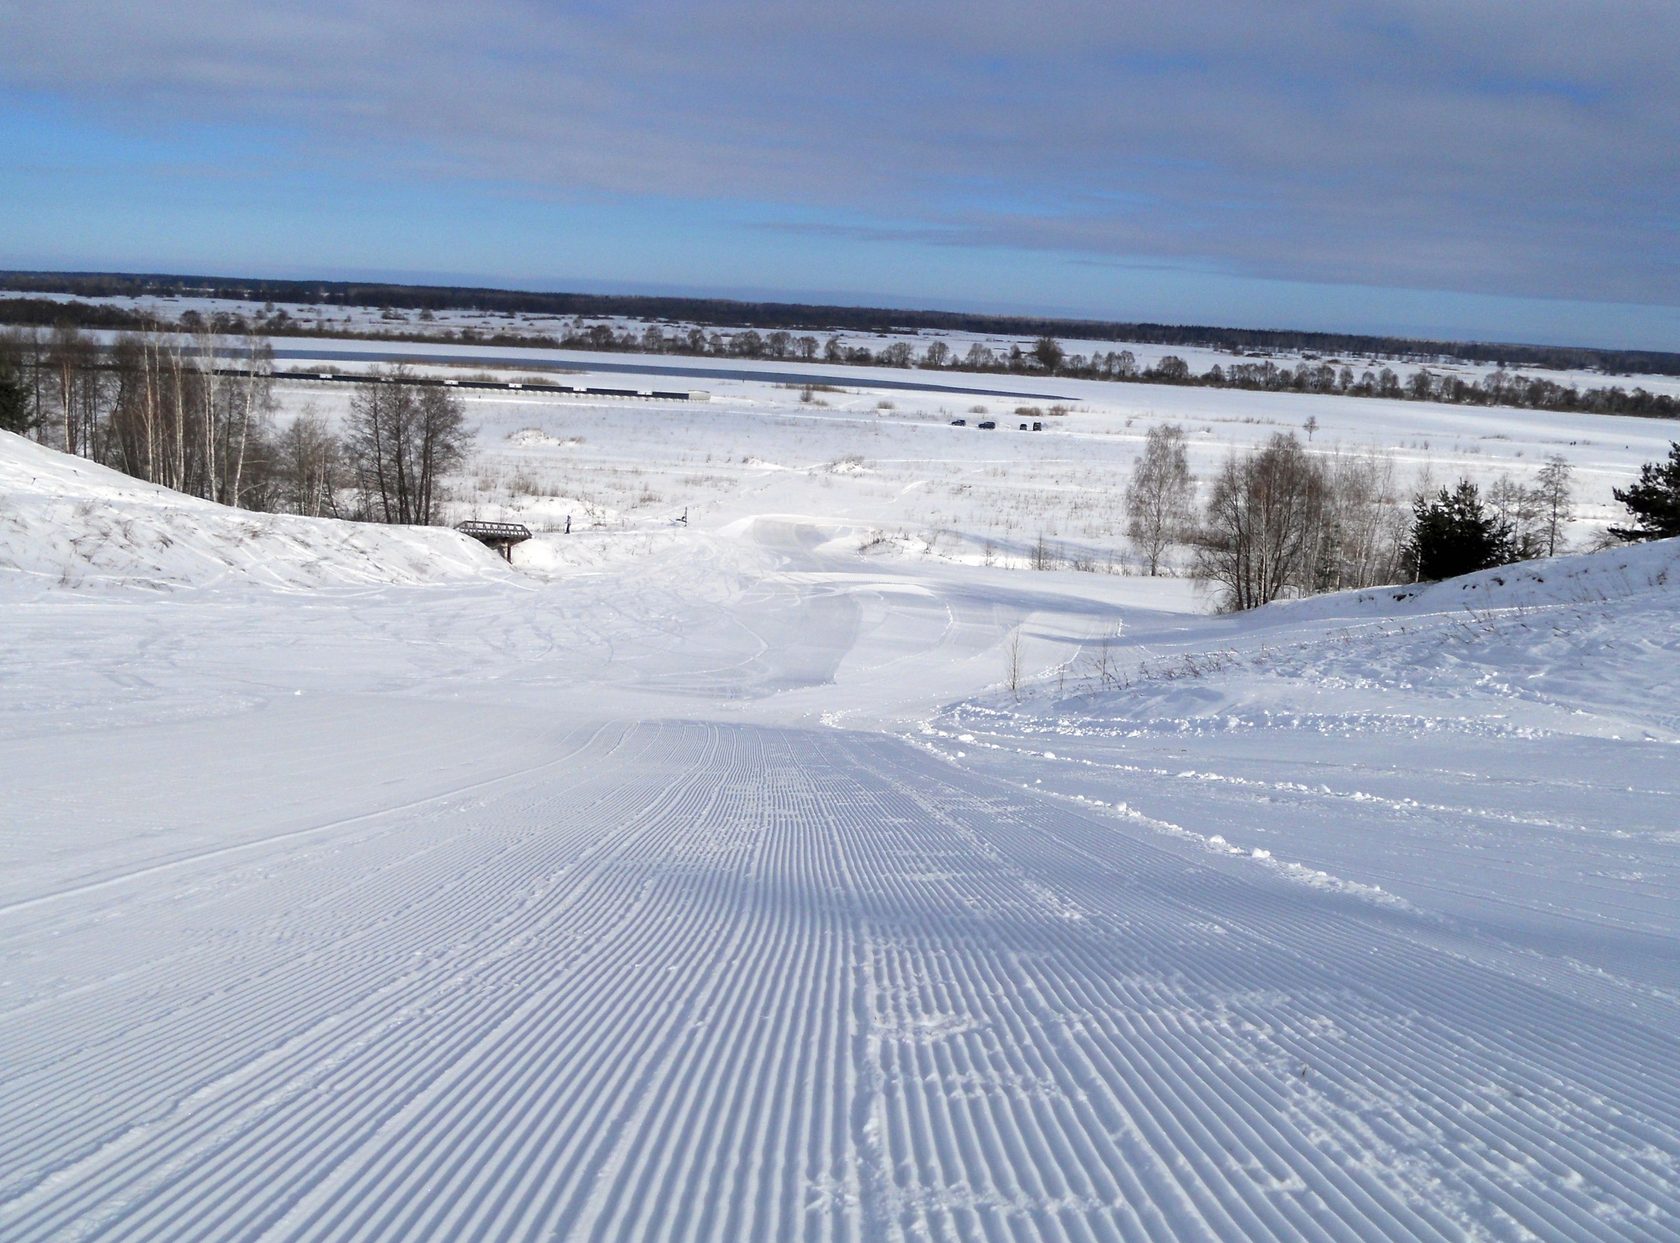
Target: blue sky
[[1500, 170]]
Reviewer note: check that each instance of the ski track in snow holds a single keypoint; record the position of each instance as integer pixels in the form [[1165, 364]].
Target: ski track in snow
[[732, 982], [494, 910]]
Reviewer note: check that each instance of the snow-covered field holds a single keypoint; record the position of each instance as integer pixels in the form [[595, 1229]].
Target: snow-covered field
[[704, 881], [405, 325], [889, 464]]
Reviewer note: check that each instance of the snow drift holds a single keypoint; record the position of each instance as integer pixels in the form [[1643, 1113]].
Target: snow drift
[[68, 522]]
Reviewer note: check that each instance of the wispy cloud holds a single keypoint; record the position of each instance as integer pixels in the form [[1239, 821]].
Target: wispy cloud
[[1510, 148]]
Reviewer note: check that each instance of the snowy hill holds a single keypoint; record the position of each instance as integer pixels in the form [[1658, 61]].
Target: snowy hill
[[721, 890], [1502, 748], [69, 522], [1616, 573], [1583, 644]]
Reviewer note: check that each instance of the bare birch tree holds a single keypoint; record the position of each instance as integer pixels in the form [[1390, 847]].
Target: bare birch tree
[[308, 461], [1261, 523], [400, 441], [1556, 501], [1159, 496]]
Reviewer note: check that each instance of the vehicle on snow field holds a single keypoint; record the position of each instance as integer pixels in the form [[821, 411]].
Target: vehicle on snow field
[[988, 425], [959, 422]]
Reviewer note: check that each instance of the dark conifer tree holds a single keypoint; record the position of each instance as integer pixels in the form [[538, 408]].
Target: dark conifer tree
[[1453, 534], [1654, 501], [14, 400]]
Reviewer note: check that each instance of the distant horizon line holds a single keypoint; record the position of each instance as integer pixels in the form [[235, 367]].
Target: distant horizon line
[[812, 300]]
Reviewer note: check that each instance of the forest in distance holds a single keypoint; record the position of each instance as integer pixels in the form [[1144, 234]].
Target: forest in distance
[[725, 312], [1045, 357]]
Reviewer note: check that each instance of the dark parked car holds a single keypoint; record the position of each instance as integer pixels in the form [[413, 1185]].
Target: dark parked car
[[988, 424], [959, 422]]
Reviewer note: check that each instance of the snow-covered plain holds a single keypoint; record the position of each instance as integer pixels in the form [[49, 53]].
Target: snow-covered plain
[[704, 881], [891, 464], [404, 325]]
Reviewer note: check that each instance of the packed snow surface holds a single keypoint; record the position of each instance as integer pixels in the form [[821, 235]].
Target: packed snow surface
[[706, 882]]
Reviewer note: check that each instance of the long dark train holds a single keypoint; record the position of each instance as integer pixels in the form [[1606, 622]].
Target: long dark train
[[573, 390]]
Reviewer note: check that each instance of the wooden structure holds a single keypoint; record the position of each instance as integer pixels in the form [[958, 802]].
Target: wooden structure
[[501, 536]]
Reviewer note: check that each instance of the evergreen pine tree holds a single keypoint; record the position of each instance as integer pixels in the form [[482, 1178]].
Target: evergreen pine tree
[[1654, 501], [14, 400], [1452, 535]]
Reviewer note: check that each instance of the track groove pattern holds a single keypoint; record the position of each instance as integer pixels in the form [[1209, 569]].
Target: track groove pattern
[[731, 982]]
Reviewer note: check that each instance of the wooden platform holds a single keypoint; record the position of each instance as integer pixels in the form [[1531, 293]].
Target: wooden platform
[[501, 536]]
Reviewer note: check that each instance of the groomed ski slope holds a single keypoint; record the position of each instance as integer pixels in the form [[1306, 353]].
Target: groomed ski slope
[[725, 895]]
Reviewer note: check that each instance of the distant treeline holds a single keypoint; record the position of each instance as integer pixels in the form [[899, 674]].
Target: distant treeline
[[798, 317], [1253, 372]]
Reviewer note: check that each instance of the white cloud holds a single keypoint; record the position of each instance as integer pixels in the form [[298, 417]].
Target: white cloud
[[1511, 148]]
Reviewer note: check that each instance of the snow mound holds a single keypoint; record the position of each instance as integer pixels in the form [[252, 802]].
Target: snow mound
[[70, 523], [1582, 578], [1579, 646], [536, 438]]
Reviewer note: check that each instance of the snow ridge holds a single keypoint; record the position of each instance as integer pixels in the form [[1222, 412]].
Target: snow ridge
[[65, 522]]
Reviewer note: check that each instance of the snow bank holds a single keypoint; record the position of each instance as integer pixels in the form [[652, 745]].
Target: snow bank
[[1583, 578], [68, 522]]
